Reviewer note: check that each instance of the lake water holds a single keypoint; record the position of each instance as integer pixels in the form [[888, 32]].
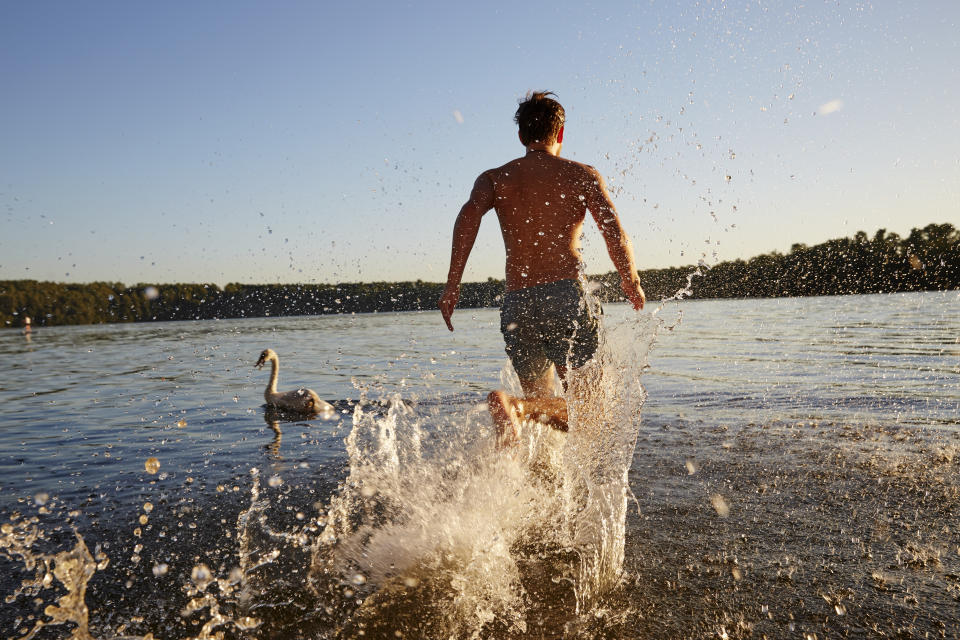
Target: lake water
[[793, 472]]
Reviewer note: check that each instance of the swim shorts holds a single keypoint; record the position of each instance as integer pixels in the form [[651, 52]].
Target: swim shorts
[[553, 322]]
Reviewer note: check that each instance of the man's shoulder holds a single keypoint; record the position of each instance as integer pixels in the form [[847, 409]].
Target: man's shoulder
[[586, 169], [568, 164], [504, 167]]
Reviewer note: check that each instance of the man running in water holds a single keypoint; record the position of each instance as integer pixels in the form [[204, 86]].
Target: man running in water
[[541, 201]]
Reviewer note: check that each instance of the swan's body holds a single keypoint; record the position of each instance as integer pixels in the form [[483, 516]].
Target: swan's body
[[299, 400]]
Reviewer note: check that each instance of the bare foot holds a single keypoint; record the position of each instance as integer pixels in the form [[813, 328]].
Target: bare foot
[[503, 409]]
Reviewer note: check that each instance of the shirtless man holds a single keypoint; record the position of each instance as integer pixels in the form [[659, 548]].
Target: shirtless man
[[541, 201]]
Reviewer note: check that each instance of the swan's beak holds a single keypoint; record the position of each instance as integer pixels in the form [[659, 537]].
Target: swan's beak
[[260, 362]]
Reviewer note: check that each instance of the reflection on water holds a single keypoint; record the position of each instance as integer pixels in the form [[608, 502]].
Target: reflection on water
[[795, 475]]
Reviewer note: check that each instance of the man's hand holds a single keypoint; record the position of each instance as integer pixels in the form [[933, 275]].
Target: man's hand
[[447, 303], [634, 293]]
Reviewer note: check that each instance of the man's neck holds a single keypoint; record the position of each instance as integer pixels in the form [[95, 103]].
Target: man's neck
[[552, 148]]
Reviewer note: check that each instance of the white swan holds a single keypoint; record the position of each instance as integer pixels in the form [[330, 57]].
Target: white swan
[[299, 401]]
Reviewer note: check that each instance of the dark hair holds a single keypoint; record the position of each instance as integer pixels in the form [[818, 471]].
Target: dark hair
[[539, 117]]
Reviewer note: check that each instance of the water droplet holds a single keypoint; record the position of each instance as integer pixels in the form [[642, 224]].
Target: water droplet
[[411, 581], [148, 506], [201, 576], [41, 498], [691, 467], [152, 465], [358, 578], [720, 505], [275, 481], [161, 569]]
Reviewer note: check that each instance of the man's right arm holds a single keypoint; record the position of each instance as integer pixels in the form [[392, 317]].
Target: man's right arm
[[464, 235], [618, 242]]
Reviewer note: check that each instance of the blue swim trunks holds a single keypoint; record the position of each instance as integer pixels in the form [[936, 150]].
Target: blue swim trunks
[[549, 323]]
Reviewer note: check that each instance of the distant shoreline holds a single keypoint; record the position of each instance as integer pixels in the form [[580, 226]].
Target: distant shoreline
[[926, 260]]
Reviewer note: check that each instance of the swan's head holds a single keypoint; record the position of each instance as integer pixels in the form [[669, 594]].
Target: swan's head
[[266, 356]]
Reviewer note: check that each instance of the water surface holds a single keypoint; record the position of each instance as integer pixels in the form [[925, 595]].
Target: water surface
[[795, 472]]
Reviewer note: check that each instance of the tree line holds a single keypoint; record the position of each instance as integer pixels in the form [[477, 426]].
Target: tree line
[[927, 259]]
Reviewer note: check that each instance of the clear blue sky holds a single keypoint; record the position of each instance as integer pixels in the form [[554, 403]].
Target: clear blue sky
[[325, 142]]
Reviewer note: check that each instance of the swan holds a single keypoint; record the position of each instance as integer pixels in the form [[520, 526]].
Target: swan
[[299, 400]]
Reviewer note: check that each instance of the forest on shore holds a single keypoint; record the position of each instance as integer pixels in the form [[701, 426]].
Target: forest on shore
[[926, 260]]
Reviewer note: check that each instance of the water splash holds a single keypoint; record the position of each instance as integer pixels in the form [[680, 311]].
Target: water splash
[[435, 527], [70, 569]]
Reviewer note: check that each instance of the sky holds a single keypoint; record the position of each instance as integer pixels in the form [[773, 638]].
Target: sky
[[335, 142]]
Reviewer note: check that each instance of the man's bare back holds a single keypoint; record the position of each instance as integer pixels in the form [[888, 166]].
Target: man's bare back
[[541, 201]]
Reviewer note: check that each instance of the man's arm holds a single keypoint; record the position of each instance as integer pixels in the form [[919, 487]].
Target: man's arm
[[618, 242], [464, 235]]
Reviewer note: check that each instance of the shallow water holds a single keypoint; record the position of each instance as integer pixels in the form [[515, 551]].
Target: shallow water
[[795, 472]]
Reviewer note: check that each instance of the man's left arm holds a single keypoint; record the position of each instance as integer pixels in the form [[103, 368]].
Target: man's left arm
[[464, 235], [618, 242]]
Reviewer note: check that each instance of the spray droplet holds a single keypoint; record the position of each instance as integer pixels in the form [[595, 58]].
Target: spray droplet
[[201, 576], [358, 578], [275, 481], [148, 506], [410, 581], [691, 467], [41, 498], [161, 569], [181, 423], [721, 506], [152, 465]]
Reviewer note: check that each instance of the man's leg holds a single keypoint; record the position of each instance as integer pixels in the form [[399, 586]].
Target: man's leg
[[538, 403]]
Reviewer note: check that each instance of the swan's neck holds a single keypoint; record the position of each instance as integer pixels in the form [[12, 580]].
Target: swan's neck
[[274, 374]]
